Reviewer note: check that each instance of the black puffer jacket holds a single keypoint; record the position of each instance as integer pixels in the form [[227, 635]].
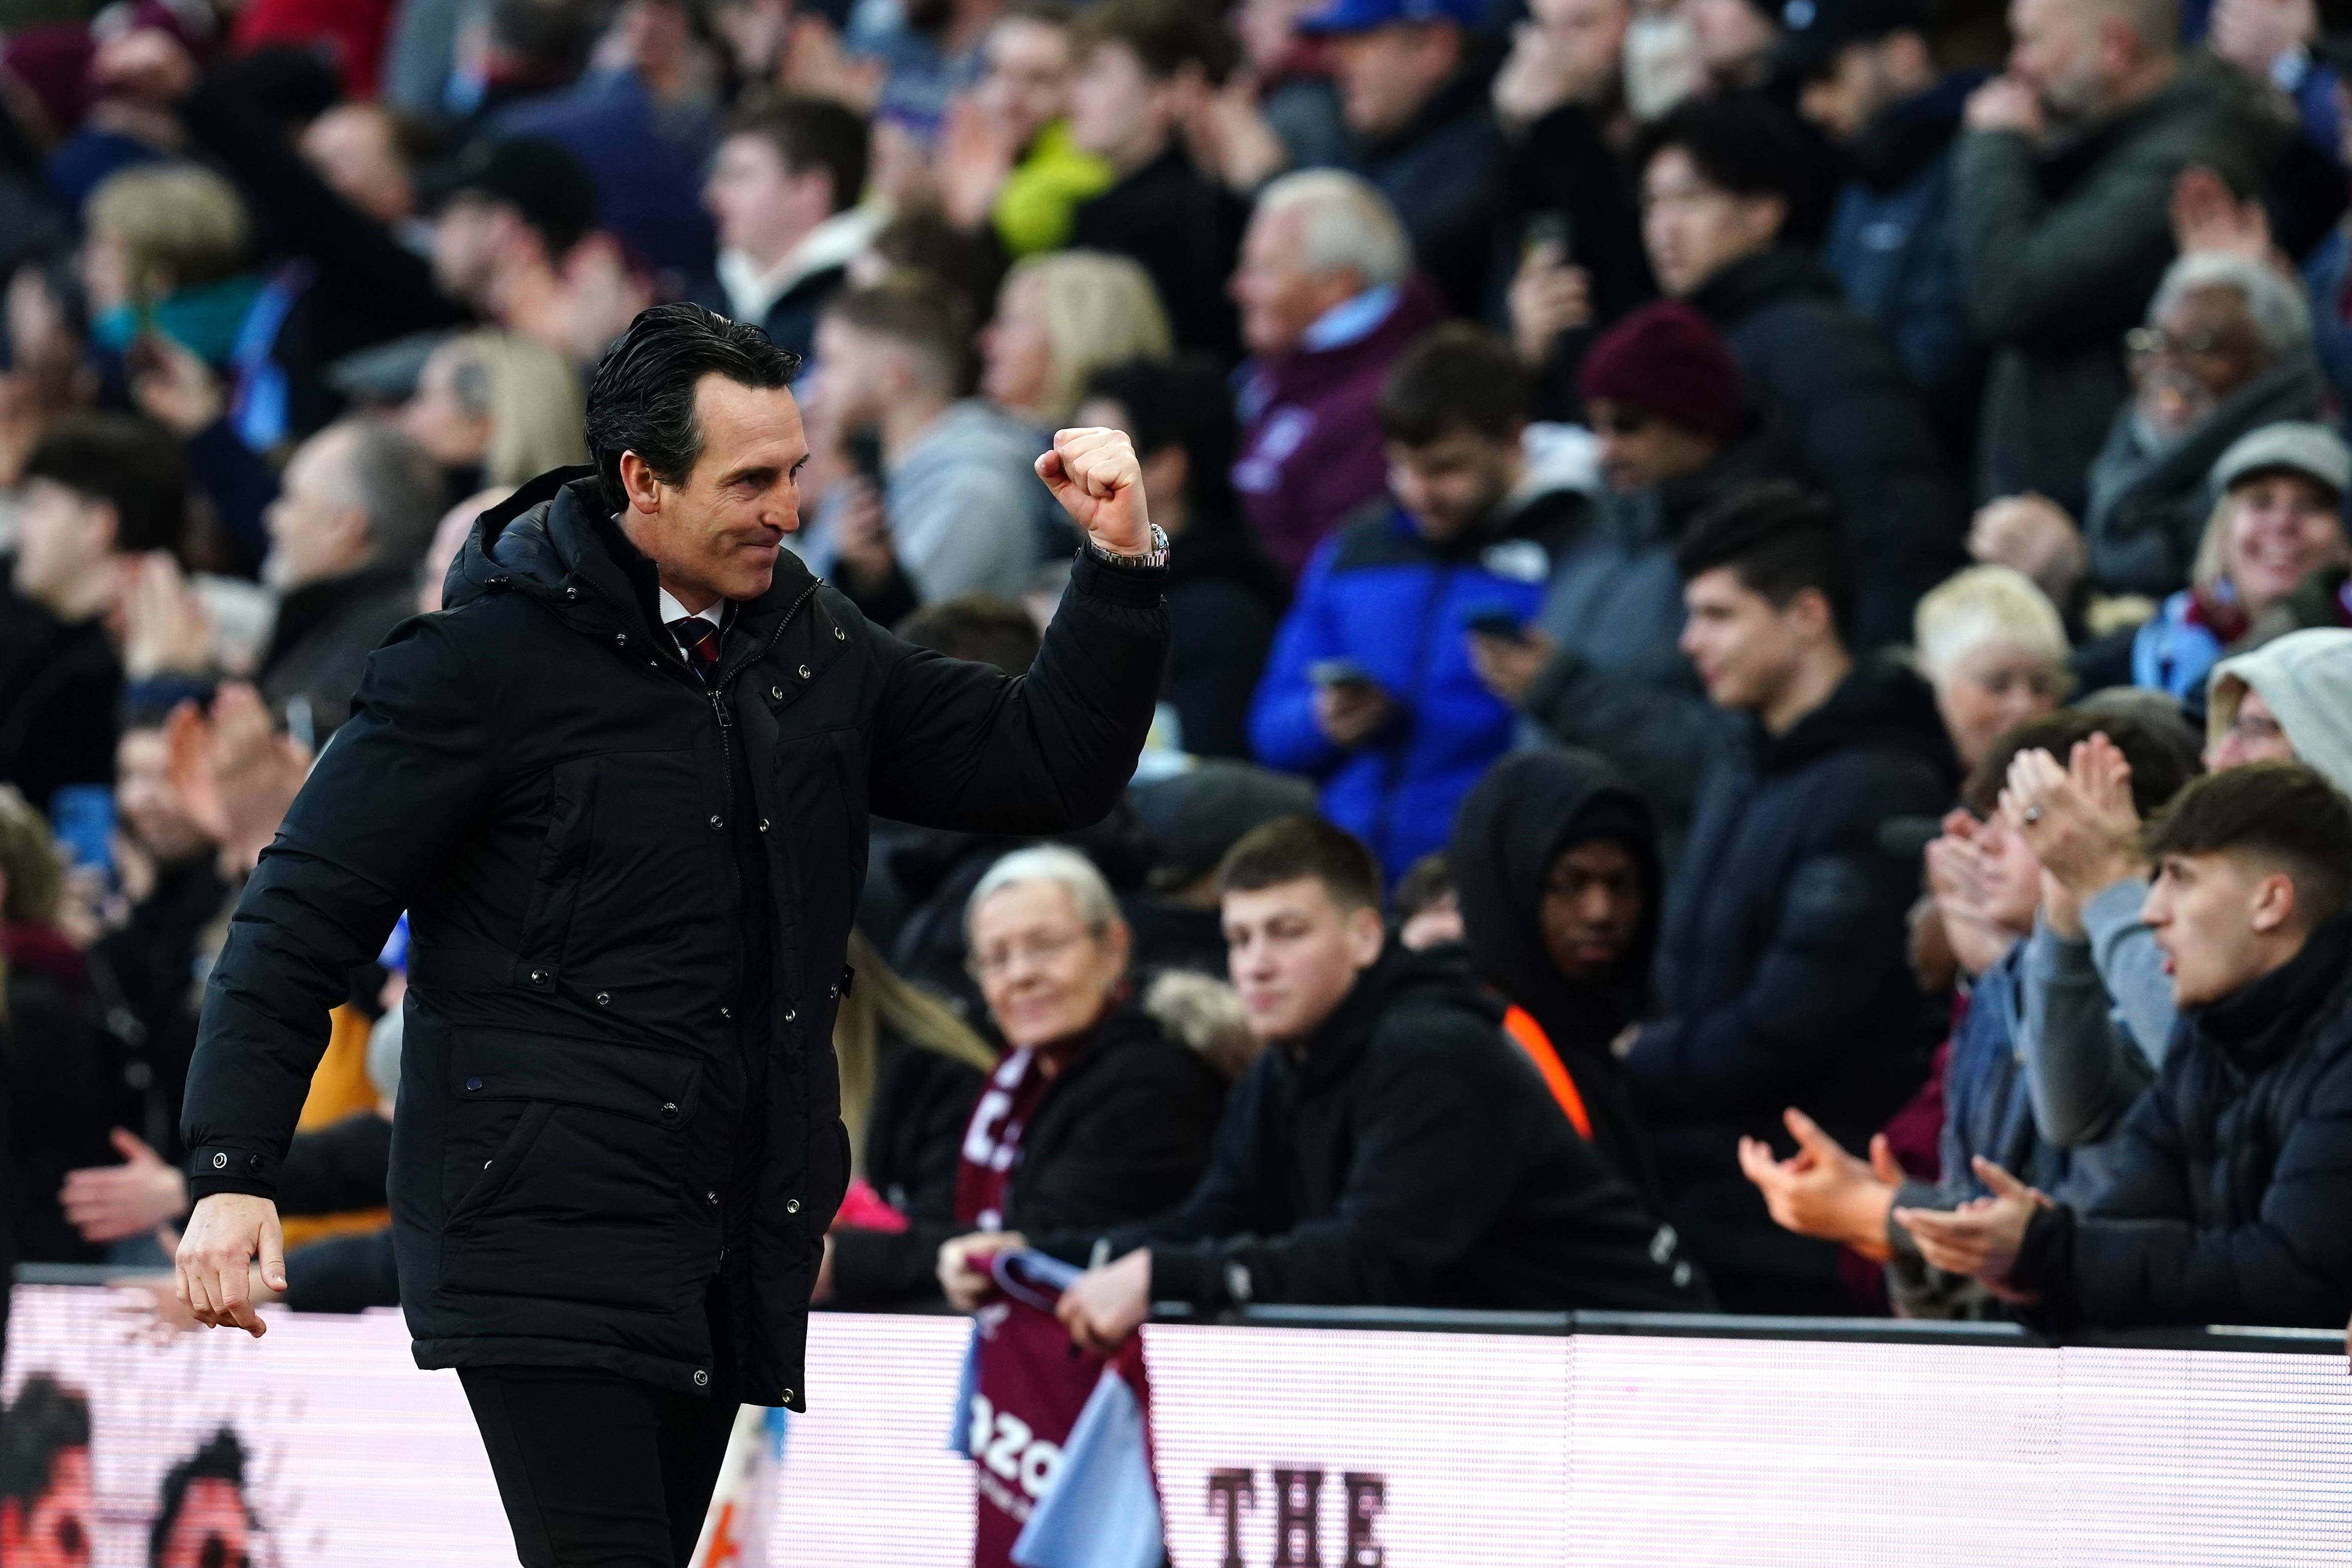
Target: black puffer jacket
[[535, 775], [2233, 1173], [1781, 975], [1857, 426], [1405, 1155]]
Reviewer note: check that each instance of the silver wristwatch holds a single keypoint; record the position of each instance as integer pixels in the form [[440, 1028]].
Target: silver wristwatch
[[1155, 556]]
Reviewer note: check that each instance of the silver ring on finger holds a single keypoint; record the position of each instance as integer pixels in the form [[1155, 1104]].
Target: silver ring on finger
[[2033, 814]]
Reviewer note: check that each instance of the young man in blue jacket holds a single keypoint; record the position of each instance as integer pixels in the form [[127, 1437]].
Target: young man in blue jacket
[[1371, 689]]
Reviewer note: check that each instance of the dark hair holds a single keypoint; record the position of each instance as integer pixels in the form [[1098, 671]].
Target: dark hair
[[554, 37], [642, 399], [1290, 847], [971, 266], [1165, 35], [1778, 539], [222, 1459], [1742, 144], [1425, 882], [132, 466], [2286, 812], [812, 133], [915, 309], [46, 1419], [2156, 766], [1454, 377], [1180, 402], [979, 626], [1047, 13]]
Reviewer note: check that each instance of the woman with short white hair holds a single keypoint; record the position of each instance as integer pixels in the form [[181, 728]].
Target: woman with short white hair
[[1994, 649]]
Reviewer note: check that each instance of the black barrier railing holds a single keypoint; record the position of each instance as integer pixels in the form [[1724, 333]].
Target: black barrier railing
[[2240, 1337]]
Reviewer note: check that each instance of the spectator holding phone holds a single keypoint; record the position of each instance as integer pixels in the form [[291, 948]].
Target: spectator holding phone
[[1371, 689]]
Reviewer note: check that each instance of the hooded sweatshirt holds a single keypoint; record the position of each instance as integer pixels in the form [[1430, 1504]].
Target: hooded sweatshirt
[[1530, 810]]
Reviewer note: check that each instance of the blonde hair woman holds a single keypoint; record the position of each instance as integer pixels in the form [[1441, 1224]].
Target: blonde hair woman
[[1059, 319], [1994, 649], [164, 248], [507, 403]]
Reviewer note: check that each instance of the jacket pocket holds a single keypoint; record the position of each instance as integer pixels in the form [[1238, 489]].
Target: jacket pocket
[[563, 862]]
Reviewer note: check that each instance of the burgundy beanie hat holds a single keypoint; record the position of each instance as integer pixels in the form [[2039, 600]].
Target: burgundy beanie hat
[[1665, 361]]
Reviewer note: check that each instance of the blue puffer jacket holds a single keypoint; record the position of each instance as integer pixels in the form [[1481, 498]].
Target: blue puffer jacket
[[1381, 595]]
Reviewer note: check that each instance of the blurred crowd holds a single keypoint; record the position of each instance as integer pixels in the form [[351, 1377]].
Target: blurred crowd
[[1761, 684]]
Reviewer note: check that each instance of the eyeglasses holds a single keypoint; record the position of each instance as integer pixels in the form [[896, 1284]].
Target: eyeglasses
[[2150, 342], [1040, 948]]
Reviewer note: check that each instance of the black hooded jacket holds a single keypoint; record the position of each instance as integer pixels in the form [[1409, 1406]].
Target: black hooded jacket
[[1782, 975], [1525, 812], [1405, 1155], [537, 777]]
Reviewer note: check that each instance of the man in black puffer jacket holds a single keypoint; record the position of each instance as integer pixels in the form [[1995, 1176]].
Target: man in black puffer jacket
[[2233, 1172], [621, 786], [1390, 1148], [1781, 975], [1721, 179]]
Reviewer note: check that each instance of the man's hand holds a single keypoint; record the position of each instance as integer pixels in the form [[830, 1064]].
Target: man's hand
[[1983, 1235], [2208, 218], [226, 1234], [1547, 297], [106, 1203], [235, 773], [963, 1273], [178, 391], [1956, 877], [2005, 103], [861, 534], [1094, 474], [2034, 535], [2079, 820], [1349, 711], [1824, 1192], [1104, 1305], [164, 625], [1508, 666]]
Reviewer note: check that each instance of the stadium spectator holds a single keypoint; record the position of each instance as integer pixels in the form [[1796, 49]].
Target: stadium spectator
[[1224, 597], [951, 505], [494, 409], [2278, 524], [1142, 67], [510, 214], [1007, 162], [1059, 319], [1781, 975], [1870, 83], [1600, 668], [785, 189], [1413, 94], [2060, 188], [1722, 181], [1992, 646], [167, 248], [1193, 818], [1425, 909], [1371, 689], [1388, 1147], [96, 493], [1328, 303], [1554, 864], [1736, 42], [48, 1504], [201, 1515], [2229, 1170]]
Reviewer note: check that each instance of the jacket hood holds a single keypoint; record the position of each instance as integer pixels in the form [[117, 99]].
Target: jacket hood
[[1399, 978], [2307, 678], [1520, 817], [1768, 278], [1882, 705], [1908, 136]]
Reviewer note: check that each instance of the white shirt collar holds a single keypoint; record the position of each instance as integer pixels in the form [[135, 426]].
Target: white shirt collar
[[751, 290], [671, 610]]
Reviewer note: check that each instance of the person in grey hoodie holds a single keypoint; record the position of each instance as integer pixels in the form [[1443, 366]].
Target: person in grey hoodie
[[2096, 993]]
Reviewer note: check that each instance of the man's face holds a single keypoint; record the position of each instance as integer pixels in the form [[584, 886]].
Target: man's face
[[1639, 451], [717, 533], [1294, 954], [352, 148], [2056, 48], [1743, 648], [2254, 736], [761, 207], [62, 536], [1732, 36], [54, 1532], [1593, 902], [2010, 875], [1387, 74], [2200, 348], [316, 529], [2202, 911], [1117, 110], [1279, 297], [1027, 80], [151, 809], [1449, 484], [211, 1529], [1850, 93], [850, 379], [1694, 229], [470, 239], [1587, 38]]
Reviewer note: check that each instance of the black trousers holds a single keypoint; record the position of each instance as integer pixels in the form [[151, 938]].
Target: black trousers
[[598, 1470]]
